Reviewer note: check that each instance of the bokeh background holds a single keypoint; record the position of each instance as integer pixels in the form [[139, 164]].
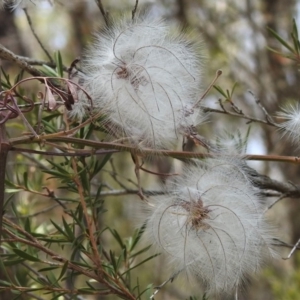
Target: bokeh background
[[235, 39]]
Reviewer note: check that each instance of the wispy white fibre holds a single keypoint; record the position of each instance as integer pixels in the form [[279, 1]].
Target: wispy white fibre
[[291, 126], [212, 225], [145, 80], [231, 143]]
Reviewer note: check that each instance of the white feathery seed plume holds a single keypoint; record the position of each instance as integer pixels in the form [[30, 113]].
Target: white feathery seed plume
[[145, 80], [211, 226], [231, 142], [291, 126]]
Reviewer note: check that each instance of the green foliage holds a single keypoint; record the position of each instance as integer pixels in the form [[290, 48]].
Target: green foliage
[[59, 64], [292, 46], [284, 285], [226, 94], [49, 251]]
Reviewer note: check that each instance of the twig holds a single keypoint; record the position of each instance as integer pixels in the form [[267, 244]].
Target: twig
[[75, 153], [90, 225], [158, 288], [102, 194], [264, 182], [20, 113], [29, 105], [4, 149], [63, 136], [108, 257], [258, 102], [32, 241], [157, 173], [243, 116], [36, 161], [114, 174], [47, 209], [37, 62], [25, 65], [46, 280], [35, 272], [1, 88], [236, 108], [198, 140], [261, 181], [292, 251], [36, 36], [218, 74], [138, 175], [280, 243], [130, 191], [135, 9], [275, 202], [104, 14], [270, 194], [223, 108], [10, 56]]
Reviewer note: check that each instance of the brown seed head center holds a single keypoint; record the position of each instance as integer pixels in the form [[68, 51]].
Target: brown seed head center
[[134, 75], [197, 213]]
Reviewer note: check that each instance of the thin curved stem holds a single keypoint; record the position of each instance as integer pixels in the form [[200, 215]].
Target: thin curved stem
[[63, 137]]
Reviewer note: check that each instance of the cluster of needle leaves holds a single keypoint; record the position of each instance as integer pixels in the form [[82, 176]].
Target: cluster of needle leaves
[[292, 48], [54, 242]]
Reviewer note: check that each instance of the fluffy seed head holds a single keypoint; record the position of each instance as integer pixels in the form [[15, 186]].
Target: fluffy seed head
[[212, 226], [291, 125], [145, 80]]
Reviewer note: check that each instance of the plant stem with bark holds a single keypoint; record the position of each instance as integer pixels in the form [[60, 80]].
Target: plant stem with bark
[[4, 149]]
